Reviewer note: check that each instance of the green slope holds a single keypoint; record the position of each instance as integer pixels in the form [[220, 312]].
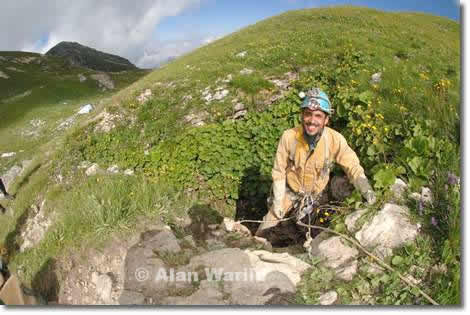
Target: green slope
[[46, 81]]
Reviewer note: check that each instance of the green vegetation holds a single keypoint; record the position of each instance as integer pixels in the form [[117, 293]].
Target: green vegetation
[[407, 126]]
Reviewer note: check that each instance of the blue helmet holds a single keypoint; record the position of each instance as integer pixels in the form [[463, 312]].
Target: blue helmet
[[316, 99]]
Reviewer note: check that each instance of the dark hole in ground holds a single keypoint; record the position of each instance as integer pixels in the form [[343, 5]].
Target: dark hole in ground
[[252, 204]]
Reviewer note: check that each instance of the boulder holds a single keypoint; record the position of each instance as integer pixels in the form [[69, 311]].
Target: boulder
[[352, 218], [336, 255], [93, 170], [104, 80], [113, 169], [241, 54], [11, 175], [328, 298], [129, 172], [104, 285], [85, 109], [390, 228], [398, 190], [8, 154], [376, 78], [220, 95], [164, 241], [35, 227]]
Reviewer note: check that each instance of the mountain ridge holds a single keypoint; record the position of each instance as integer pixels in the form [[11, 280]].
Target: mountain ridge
[[77, 54]]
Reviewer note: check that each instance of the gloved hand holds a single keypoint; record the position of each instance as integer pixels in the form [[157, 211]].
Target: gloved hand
[[279, 190], [362, 184], [370, 197], [278, 210]]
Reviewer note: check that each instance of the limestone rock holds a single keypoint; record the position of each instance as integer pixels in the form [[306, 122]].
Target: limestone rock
[[207, 294], [389, 229], [131, 298], [164, 241], [8, 154], [376, 78], [93, 170], [239, 107], [104, 285], [85, 109], [426, 195], [398, 189], [145, 96], [35, 226], [113, 169], [220, 95], [66, 123], [264, 242], [104, 80], [107, 122], [129, 172], [352, 218], [328, 298], [230, 225], [196, 119], [241, 54], [11, 175], [335, 253], [246, 71], [240, 114]]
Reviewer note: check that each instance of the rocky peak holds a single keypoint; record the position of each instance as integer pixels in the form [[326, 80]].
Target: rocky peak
[[83, 56]]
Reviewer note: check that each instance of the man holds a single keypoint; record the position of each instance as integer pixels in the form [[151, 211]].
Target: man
[[304, 159]]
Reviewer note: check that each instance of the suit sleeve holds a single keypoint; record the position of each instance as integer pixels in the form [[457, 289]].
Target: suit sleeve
[[347, 158], [279, 170]]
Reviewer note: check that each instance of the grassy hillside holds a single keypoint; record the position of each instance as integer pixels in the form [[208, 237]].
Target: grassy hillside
[[407, 125], [44, 88]]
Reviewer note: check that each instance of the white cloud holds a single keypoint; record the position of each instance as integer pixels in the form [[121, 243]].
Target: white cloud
[[119, 27], [160, 51]]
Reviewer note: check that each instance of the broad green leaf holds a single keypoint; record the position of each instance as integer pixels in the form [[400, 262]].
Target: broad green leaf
[[397, 260]]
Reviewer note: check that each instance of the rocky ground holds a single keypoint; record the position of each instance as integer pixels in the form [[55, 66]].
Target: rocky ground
[[214, 260]]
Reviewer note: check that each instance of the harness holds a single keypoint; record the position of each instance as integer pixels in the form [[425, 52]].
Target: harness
[[306, 202]]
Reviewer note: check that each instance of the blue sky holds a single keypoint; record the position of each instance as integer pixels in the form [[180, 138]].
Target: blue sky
[[149, 32], [222, 17]]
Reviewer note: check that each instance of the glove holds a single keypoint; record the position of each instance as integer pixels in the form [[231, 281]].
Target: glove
[[362, 184], [279, 190]]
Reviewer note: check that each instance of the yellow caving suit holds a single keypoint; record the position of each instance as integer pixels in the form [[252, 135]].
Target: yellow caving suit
[[297, 170]]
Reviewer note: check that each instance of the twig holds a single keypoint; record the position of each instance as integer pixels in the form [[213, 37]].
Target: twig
[[377, 259]]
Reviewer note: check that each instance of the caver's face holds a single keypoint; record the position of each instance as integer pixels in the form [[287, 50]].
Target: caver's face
[[313, 121]]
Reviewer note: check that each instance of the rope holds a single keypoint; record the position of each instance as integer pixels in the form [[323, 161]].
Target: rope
[[377, 259], [353, 241]]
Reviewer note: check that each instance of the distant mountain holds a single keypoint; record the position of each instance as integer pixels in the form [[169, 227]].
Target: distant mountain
[[79, 55]]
